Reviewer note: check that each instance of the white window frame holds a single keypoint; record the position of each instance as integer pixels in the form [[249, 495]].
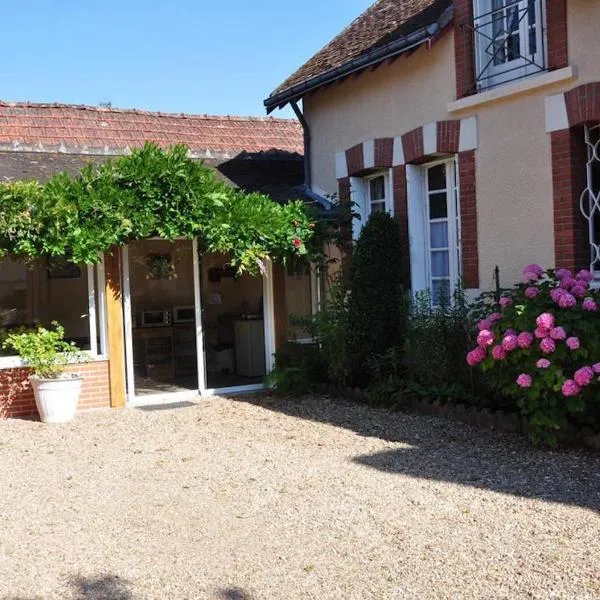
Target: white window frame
[[97, 324], [514, 69], [360, 195], [590, 199], [419, 224]]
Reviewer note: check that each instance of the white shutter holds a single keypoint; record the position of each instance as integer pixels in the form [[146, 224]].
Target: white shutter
[[415, 182], [358, 196]]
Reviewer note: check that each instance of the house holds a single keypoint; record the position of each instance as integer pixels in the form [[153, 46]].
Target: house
[[475, 122], [160, 320]]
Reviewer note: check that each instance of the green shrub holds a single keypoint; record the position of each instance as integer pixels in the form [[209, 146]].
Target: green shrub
[[298, 367], [436, 341], [330, 330], [45, 351], [376, 306]]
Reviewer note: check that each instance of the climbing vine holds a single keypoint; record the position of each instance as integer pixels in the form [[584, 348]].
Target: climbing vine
[[149, 193]]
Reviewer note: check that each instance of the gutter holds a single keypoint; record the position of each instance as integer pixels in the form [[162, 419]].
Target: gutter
[[404, 43], [308, 191]]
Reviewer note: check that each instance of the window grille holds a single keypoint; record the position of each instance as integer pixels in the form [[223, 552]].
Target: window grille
[[590, 197], [509, 40]]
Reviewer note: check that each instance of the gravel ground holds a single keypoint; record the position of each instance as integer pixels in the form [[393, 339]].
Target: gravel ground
[[259, 497]]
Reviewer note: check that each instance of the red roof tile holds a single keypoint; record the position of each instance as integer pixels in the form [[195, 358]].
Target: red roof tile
[[24, 125]]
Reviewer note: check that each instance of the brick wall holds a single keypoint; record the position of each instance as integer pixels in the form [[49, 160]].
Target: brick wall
[[16, 394], [568, 181], [468, 219]]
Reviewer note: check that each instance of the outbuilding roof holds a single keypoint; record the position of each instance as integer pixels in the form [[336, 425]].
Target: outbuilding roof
[[107, 130]]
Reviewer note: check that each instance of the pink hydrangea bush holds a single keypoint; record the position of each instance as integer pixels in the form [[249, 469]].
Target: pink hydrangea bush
[[540, 343]]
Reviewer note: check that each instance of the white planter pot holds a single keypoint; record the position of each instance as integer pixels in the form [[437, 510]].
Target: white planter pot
[[56, 399]]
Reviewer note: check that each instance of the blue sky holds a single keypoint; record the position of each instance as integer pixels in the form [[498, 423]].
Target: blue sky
[[194, 56]]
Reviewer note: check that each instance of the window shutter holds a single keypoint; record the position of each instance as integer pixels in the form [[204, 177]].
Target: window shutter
[[416, 228]]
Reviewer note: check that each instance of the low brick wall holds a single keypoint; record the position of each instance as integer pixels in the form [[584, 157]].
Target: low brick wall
[[479, 417], [16, 394]]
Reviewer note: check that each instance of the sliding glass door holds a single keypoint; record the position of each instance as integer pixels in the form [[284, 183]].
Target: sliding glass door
[[192, 324]]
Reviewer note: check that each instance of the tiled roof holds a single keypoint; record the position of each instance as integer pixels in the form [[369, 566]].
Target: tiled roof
[[45, 127], [379, 24]]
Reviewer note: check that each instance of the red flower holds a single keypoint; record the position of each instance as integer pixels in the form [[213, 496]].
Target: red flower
[[297, 242]]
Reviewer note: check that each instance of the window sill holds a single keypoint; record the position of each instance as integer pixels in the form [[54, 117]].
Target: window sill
[[512, 89], [14, 362]]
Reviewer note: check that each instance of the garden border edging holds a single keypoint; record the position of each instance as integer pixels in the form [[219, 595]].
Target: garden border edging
[[500, 420]]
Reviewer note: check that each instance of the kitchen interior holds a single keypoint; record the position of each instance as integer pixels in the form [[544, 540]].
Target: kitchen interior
[[164, 323]]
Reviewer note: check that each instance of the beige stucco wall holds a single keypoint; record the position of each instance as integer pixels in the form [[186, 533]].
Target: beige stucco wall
[[385, 102], [513, 162]]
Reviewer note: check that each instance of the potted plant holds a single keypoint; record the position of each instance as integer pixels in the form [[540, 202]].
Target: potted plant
[[47, 354]]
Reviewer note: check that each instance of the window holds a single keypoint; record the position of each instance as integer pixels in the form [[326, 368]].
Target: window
[[509, 40], [370, 194], [53, 290], [434, 228], [590, 198]]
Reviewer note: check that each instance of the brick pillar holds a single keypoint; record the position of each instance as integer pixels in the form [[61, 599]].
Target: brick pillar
[[468, 219], [556, 33], [401, 214], [569, 179], [464, 52]]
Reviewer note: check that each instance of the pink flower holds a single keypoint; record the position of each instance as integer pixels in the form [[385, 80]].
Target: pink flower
[[562, 273], [547, 345], [485, 338], [579, 291], [510, 342], [590, 305], [558, 333], [495, 316], [556, 294], [475, 356], [532, 292], [567, 301], [510, 331], [543, 363], [498, 353], [505, 302], [567, 283], [583, 376], [484, 324], [573, 343], [585, 275], [533, 268], [529, 276], [545, 321], [524, 380], [525, 339], [596, 368], [570, 388], [540, 333]]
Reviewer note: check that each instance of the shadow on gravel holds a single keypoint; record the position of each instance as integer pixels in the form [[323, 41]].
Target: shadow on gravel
[[234, 594], [444, 450], [108, 587]]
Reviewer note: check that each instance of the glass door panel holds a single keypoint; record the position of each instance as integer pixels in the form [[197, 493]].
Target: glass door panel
[[233, 324], [161, 287]]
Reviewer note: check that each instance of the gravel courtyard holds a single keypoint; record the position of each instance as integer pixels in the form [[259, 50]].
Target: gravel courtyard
[[260, 498]]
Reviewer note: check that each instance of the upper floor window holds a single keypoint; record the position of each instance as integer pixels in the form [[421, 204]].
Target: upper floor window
[[590, 198], [509, 40]]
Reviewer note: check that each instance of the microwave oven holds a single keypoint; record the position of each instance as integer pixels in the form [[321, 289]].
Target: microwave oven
[[184, 314], [156, 318]]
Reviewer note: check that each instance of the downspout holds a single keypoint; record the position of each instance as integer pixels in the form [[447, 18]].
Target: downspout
[[307, 144]]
